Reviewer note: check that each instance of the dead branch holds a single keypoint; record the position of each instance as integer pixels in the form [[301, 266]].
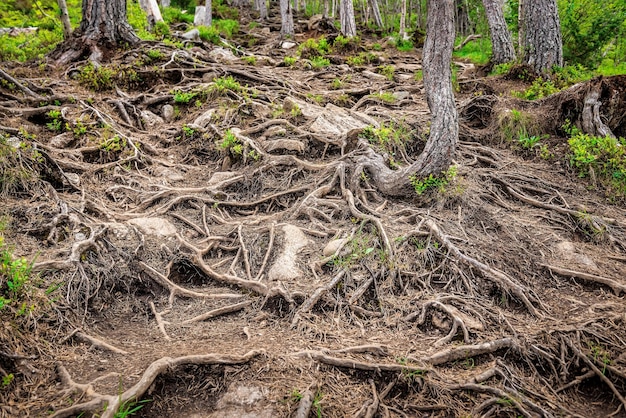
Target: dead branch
[[315, 297], [466, 351], [158, 367], [360, 365], [159, 318], [217, 312], [20, 86], [467, 40], [617, 288]]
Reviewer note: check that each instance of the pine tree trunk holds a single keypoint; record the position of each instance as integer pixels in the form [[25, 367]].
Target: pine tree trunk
[[501, 39], [65, 19], [444, 128], [542, 45], [286, 17], [346, 16], [104, 27], [262, 7], [378, 20]]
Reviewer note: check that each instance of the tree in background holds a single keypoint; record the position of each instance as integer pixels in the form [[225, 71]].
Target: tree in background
[[286, 18], [104, 27], [501, 40], [540, 30], [346, 16]]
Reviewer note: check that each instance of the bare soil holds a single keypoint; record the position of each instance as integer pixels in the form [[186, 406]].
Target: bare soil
[[201, 280]]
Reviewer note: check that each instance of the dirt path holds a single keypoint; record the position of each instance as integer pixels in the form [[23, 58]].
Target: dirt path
[[242, 231]]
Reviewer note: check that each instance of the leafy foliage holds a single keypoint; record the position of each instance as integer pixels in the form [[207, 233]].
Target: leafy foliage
[[432, 182]]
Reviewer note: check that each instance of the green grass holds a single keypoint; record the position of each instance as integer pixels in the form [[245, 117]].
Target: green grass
[[477, 51]]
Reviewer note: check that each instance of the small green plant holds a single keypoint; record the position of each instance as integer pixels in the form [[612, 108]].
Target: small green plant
[[432, 182], [317, 404], [129, 408], [182, 97], [154, 55], [404, 45], [231, 143], [355, 61], [377, 47], [6, 380], [600, 355], [528, 142], [290, 61], [501, 69], [161, 30], [385, 96], [516, 124], [319, 62], [223, 84], [342, 43], [113, 144], [227, 27], [209, 34], [250, 60], [296, 111], [418, 76], [601, 158], [188, 131], [295, 395], [14, 274], [387, 70], [56, 121], [538, 90], [336, 84], [97, 78], [314, 48]]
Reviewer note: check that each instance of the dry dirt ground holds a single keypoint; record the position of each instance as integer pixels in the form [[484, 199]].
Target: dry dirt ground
[[270, 278]]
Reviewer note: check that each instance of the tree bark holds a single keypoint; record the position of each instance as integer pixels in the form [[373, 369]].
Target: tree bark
[[286, 17], [208, 13], [104, 27], [346, 16], [501, 39], [402, 30], [65, 19], [542, 45], [378, 20], [444, 129], [262, 7]]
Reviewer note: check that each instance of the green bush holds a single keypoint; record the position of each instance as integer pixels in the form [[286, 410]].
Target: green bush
[[601, 158], [314, 48], [209, 34], [538, 90], [14, 275]]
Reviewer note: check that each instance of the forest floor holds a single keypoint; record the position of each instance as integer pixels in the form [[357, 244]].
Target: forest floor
[[231, 259]]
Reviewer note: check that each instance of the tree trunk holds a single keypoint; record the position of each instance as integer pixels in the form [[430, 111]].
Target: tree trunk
[[65, 19], [346, 16], [286, 17], [378, 20], [501, 39], [542, 45], [444, 128], [153, 13], [104, 27], [208, 13], [402, 31], [463, 23], [262, 7]]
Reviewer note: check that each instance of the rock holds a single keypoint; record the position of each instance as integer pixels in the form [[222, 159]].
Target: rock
[[261, 110], [243, 402], [285, 267], [73, 179], [192, 35], [167, 112], [401, 95], [284, 144], [287, 45], [61, 140], [337, 121], [266, 30], [222, 55], [198, 18], [332, 247], [167, 173], [208, 77], [150, 119], [15, 142], [568, 252], [373, 76], [204, 119], [159, 227]]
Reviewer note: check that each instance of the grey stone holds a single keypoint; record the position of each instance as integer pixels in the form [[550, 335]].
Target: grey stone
[[192, 35], [337, 121], [159, 227], [222, 55], [287, 45], [401, 95], [285, 267], [61, 140], [150, 119], [167, 112], [204, 119]]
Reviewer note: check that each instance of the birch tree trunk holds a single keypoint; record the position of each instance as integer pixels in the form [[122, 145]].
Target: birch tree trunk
[[208, 13], [444, 128], [286, 18], [65, 19], [346, 16], [378, 20], [542, 45], [402, 31], [501, 39]]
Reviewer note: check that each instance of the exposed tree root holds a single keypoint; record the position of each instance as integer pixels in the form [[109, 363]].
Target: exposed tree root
[[618, 288], [112, 403], [467, 351], [359, 365]]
